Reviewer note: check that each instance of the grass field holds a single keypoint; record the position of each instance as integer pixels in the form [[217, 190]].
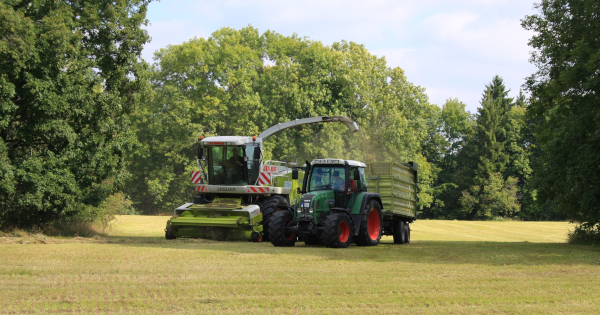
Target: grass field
[[450, 267]]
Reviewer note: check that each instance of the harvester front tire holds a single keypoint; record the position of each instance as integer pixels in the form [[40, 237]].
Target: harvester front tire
[[255, 237], [268, 208], [277, 225], [337, 230], [399, 232], [370, 225]]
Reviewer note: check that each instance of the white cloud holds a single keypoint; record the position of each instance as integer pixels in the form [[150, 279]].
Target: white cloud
[[453, 48]]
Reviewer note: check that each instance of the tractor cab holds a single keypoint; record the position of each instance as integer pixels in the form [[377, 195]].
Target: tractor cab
[[231, 161], [332, 183]]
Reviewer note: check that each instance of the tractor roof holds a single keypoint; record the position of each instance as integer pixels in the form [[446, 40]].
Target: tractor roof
[[339, 162], [229, 140]]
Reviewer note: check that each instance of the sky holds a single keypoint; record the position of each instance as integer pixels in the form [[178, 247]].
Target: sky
[[451, 48]]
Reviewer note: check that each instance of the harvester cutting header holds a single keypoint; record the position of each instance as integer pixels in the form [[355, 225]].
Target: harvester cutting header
[[238, 191]]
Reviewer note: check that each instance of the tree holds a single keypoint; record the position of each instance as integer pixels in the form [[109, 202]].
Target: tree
[[70, 73], [448, 130], [564, 107], [238, 82]]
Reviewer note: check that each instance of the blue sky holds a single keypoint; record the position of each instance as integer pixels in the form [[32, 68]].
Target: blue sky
[[452, 48]]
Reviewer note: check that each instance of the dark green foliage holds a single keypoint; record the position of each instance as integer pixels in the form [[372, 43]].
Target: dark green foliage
[[239, 83], [565, 107], [69, 76], [480, 165]]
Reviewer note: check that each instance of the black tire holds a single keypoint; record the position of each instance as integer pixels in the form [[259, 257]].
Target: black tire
[[312, 240], [407, 234], [268, 207], [170, 232], [371, 225], [277, 225], [399, 232], [202, 199], [337, 230], [255, 237]]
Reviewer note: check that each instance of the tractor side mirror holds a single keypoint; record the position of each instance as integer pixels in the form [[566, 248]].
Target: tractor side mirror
[[200, 152], [294, 174]]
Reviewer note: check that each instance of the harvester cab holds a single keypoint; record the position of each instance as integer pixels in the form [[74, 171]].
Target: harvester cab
[[238, 191]]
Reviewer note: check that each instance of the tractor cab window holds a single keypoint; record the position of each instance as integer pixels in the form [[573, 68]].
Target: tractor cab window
[[362, 182], [227, 165], [327, 178]]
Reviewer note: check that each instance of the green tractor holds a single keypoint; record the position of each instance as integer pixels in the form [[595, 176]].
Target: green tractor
[[336, 207], [238, 191]]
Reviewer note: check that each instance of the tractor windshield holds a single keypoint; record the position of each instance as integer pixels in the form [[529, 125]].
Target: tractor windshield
[[327, 178], [231, 165]]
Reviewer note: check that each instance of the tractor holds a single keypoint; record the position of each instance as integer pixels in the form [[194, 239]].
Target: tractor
[[336, 207]]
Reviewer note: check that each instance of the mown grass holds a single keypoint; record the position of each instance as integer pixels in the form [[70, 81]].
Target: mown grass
[[450, 267]]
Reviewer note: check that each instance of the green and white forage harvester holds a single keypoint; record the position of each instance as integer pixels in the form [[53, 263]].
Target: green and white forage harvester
[[344, 201], [238, 191]]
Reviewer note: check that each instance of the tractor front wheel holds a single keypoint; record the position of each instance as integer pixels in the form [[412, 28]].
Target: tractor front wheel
[[277, 229], [370, 225], [337, 230]]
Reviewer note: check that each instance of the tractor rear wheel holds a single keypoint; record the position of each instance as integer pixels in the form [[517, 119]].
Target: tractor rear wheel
[[337, 230], [370, 225], [277, 229], [399, 232], [268, 207]]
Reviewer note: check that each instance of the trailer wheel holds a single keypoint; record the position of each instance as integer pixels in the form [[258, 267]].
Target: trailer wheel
[[399, 232], [407, 228], [312, 240], [337, 230], [370, 225], [268, 207], [277, 226]]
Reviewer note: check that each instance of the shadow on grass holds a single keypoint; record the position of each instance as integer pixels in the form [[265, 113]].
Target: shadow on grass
[[442, 252]]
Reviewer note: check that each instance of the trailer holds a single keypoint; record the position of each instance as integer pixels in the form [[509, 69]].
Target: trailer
[[396, 183]]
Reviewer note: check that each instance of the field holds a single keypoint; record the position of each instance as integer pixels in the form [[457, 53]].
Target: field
[[449, 267]]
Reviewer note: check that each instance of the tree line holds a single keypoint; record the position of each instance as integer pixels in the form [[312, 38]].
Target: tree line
[[88, 129]]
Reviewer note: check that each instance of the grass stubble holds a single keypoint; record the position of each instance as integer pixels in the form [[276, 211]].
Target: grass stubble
[[449, 267]]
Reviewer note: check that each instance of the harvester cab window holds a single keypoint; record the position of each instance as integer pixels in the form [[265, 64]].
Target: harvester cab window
[[226, 165], [253, 162], [327, 178]]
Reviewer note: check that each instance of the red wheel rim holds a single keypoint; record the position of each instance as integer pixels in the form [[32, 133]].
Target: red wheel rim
[[344, 231], [374, 224], [288, 236], [260, 239]]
